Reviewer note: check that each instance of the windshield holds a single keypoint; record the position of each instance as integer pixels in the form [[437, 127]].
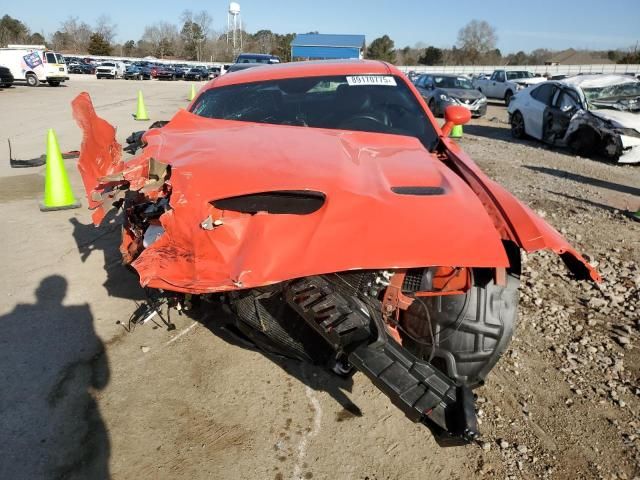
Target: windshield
[[254, 59], [452, 82], [516, 75], [369, 103], [610, 92]]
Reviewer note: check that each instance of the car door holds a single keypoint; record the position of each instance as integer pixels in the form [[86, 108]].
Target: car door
[[493, 85], [536, 104], [557, 116]]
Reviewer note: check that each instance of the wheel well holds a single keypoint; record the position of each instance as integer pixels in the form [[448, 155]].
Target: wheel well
[[508, 91]]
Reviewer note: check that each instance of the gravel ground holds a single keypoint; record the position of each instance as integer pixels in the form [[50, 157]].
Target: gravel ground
[[82, 398]]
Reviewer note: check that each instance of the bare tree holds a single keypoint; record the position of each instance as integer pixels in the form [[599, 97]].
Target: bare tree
[[163, 39], [106, 28], [77, 34], [476, 39]]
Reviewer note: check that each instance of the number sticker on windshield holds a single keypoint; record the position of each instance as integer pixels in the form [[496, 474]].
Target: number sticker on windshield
[[384, 80]]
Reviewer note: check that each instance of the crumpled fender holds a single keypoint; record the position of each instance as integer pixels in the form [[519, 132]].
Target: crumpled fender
[[514, 220]]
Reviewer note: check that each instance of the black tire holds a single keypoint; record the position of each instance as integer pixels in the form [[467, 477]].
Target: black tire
[[517, 125], [32, 80], [507, 97], [471, 331], [584, 142]]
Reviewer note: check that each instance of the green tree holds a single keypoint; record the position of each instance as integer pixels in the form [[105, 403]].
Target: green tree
[[36, 39], [98, 45], [382, 48], [282, 46], [430, 56], [12, 30], [128, 47], [191, 35], [264, 40]]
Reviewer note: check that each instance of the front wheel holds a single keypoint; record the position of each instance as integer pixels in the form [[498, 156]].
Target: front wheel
[[517, 125], [32, 80], [507, 97], [465, 335]]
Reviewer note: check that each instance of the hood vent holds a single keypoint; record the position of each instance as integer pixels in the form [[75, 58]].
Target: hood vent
[[420, 191], [292, 202]]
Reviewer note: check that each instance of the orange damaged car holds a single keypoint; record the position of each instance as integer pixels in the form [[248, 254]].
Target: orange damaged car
[[326, 208]]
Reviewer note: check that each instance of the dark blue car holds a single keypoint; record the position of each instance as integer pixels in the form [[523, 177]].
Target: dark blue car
[[137, 72]]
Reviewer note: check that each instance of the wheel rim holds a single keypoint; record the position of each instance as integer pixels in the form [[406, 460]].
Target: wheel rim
[[517, 125]]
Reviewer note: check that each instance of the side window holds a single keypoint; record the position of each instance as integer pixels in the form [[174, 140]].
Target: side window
[[566, 101], [51, 58], [420, 81], [428, 81], [544, 93], [500, 76]]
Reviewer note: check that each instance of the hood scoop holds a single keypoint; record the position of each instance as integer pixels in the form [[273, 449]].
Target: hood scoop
[[292, 202], [419, 191]]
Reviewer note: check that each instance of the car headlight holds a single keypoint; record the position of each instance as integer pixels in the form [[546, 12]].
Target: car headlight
[[446, 98], [520, 87]]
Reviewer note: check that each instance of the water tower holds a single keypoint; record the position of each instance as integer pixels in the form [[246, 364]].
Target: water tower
[[234, 27]]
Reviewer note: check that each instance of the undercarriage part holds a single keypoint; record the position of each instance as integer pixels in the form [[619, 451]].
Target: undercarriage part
[[340, 320], [423, 393], [464, 335], [265, 319]]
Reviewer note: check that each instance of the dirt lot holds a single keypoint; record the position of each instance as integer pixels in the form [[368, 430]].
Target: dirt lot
[[81, 398]]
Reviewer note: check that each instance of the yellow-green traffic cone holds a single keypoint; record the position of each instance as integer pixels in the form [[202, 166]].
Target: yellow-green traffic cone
[[456, 132], [141, 114], [57, 189], [192, 94]]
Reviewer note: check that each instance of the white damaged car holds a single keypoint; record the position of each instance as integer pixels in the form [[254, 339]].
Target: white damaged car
[[594, 115]]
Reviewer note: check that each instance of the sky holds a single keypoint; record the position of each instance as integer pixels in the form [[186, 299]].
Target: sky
[[592, 24]]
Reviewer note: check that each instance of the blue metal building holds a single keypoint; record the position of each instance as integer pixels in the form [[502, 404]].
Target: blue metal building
[[316, 46]]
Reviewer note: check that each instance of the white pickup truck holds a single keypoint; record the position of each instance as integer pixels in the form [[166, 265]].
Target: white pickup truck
[[503, 84], [110, 70]]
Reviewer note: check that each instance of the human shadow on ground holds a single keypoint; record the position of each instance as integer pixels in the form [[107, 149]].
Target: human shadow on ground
[[51, 363], [122, 281], [595, 182], [219, 321]]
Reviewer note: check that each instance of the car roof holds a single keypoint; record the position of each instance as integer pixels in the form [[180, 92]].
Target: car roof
[[316, 68], [597, 81]]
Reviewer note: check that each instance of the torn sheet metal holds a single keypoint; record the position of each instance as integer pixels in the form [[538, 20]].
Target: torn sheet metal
[[517, 222], [363, 224]]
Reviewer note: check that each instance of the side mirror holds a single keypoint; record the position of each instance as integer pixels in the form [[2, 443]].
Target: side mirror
[[454, 115]]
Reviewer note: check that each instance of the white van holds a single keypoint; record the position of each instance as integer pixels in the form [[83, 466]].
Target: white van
[[34, 64]]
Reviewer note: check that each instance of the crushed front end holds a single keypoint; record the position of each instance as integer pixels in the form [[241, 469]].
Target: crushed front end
[[334, 269]]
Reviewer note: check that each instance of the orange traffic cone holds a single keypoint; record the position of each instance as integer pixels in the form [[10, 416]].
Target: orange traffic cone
[[57, 189]]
